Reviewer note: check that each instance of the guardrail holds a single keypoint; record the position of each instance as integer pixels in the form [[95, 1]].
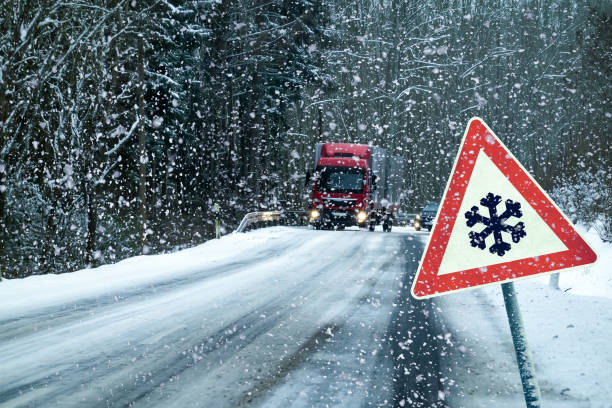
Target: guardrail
[[267, 218]]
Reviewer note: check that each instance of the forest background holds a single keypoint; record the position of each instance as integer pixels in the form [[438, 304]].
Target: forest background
[[123, 121]]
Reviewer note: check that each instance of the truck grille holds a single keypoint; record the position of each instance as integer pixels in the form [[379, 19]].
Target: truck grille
[[339, 202]]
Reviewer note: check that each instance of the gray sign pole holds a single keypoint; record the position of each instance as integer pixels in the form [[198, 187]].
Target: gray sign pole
[[531, 389]]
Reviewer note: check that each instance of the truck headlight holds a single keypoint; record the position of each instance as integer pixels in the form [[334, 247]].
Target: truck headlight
[[314, 214], [361, 216]]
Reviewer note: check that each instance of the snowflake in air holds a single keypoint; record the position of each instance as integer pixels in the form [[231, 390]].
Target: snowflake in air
[[495, 224]]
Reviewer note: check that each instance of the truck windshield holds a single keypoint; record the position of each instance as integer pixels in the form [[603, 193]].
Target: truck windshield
[[341, 180]]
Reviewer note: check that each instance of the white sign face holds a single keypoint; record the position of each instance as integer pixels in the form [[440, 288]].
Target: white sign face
[[487, 178]]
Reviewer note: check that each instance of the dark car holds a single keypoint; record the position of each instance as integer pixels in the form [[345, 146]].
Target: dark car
[[403, 219], [406, 219], [428, 214]]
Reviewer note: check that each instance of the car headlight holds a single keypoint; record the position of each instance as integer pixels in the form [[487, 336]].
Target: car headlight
[[314, 214], [361, 216]]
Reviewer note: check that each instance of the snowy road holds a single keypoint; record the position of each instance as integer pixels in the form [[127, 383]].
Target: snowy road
[[277, 317]]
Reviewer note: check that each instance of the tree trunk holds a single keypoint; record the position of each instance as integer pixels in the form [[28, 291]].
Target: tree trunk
[[51, 234], [320, 129], [231, 156], [3, 232], [230, 133], [92, 225], [142, 140]]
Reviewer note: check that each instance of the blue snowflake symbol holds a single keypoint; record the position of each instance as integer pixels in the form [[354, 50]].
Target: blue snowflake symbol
[[495, 224]]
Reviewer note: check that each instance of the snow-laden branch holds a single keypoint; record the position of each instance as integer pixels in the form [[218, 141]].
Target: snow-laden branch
[[320, 102], [87, 32], [263, 31], [131, 23], [434, 64], [499, 53], [125, 138], [163, 77], [469, 108], [352, 54], [17, 133], [102, 178], [410, 88], [474, 87], [82, 5]]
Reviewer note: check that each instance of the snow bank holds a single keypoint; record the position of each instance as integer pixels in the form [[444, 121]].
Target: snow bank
[[21, 295], [593, 280]]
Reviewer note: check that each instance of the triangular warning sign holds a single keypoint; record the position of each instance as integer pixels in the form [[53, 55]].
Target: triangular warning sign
[[495, 224]]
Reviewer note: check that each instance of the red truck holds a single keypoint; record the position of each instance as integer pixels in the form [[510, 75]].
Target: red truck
[[344, 180]]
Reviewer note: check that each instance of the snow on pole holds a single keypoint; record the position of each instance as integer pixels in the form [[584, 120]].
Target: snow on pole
[[531, 389]]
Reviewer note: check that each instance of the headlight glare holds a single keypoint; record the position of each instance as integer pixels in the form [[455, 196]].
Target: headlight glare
[[361, 216], [314, 214]]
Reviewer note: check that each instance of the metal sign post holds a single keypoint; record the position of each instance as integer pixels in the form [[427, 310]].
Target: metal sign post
[[531, 389]]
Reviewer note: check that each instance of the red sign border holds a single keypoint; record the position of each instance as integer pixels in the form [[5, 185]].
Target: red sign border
[[478, 136]]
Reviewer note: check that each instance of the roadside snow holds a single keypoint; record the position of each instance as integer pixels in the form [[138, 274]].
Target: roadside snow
[[593, 280], [22, 295]]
